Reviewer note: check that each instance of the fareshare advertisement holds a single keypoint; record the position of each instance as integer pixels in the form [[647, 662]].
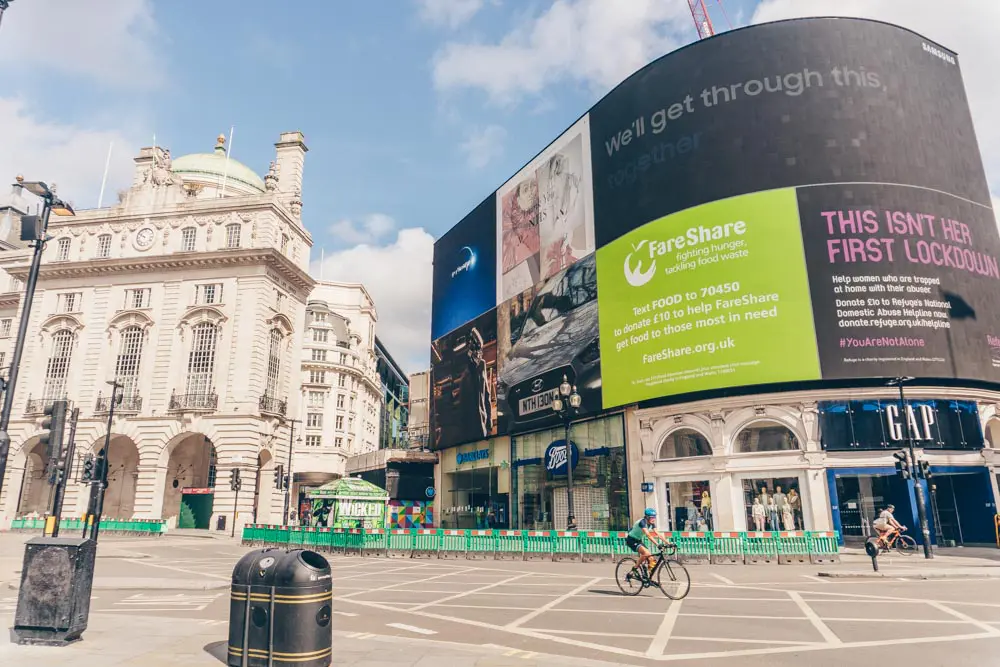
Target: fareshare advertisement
[[713, 296]]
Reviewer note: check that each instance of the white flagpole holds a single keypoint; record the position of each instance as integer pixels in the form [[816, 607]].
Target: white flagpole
[[225, 172], [104, 180]]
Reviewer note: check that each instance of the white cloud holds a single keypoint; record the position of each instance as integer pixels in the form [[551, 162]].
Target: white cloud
[[450, 13], [114, 42], [68, 155], [967, 26], [371, 228], [482, 146], [594, 42], [398, 276]]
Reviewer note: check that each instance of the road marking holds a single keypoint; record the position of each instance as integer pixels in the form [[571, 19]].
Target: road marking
[[344, 613], [360, 635], [136, 561], [388, 586], [179, 602], [728, 582], [462, 595], [411, 628], [592, 634], [737, 640], [377, 572], [819, 579], [659, 643], [549, 605], [964, 617], [829, 635]]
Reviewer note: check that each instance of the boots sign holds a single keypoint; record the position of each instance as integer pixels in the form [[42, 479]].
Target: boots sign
[[920, 418]]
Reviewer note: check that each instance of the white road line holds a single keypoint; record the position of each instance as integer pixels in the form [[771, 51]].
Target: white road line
[[819, 579], [378, 572], [136, 561], [728, 582], [387, 587], [964, 617], [343, 613], [737, 640], [549, 605], [591, 634], [467, 593], [659, 643], [829, 635], [411, 628]]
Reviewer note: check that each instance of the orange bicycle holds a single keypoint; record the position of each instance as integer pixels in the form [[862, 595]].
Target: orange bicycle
[[904, 544]]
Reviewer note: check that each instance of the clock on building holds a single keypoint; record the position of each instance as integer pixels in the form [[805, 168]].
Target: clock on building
[[144, 238]]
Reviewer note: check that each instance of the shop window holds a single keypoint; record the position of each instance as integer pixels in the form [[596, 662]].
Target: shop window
[[689, 506], [773, 503], [684, 443], [600, 490], [765, 437]]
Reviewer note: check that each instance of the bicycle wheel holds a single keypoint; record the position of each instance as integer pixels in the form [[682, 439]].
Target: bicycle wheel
[[628, 582], [905, 545], [678, 581]]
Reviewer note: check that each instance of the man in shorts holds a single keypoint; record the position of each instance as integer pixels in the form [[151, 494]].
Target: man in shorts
[[644, 527], [886, 523]]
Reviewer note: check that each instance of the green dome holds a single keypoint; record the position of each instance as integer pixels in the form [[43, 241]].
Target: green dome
[[211, 169]]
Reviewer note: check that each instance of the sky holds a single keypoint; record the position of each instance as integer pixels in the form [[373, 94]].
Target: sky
[[413, 110]]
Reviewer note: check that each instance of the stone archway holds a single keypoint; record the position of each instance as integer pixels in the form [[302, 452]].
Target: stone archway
[[188, 496], [123, 471], [36, 492]]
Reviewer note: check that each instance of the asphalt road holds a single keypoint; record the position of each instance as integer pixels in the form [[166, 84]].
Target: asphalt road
[[735, 615]]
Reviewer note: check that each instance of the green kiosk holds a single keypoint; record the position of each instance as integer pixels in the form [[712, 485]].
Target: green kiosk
[[349, 502]]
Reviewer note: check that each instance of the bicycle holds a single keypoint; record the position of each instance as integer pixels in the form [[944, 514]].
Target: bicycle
[[632, 579], [904, 544]]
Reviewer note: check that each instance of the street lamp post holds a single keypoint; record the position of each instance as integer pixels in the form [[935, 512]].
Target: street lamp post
[[34, 230], [925, 530], [291, 477], [566, 405], [4, 4], [98, 486]]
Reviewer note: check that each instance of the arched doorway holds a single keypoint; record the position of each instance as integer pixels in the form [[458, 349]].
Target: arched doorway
[[261, 489], [773, 501], [36, 492], [123, 470], [688, 497], [189, 493]]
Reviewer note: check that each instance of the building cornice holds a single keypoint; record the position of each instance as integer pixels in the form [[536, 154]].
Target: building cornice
[[10, 300], [268, 257]]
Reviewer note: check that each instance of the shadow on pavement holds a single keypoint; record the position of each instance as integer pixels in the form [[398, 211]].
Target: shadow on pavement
[[218, 650], [602, 592]]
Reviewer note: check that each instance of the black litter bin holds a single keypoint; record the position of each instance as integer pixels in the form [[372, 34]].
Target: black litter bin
[[280, 610]]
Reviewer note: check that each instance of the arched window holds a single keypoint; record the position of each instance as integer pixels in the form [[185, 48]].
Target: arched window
[[273, 364], [766, 437], [201, 361], [129, 360], [233, 235], [57, 371], [684, 443]]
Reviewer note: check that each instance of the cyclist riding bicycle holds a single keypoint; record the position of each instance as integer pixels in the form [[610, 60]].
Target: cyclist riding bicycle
[[646, 526], [886, 524]]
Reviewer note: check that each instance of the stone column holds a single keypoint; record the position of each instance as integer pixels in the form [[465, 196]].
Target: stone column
[[150, 485]]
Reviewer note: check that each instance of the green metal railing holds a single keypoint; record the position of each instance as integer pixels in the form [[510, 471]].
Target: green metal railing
[[140, 527], [717, 547]]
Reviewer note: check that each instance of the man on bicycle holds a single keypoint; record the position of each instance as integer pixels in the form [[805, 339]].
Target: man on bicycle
[[886, 523], [646, 526]]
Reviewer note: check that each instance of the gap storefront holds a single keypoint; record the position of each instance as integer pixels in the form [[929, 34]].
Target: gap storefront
[[539, 480], [862, 481]]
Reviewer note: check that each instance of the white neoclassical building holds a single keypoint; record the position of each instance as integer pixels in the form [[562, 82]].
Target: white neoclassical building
[[192, 292], [341, 391]]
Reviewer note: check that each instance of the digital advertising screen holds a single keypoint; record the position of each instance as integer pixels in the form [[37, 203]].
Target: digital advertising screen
[[794, 201]]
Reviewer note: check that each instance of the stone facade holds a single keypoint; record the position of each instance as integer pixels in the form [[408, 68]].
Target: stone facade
[[192, 292]]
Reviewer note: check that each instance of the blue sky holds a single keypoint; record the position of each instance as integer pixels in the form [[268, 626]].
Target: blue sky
[[413, 110]]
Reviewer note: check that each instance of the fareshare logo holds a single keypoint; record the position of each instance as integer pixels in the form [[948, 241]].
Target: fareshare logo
[[636, 277]]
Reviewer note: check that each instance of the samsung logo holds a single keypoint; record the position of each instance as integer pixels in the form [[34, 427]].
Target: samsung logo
[[933, 50]]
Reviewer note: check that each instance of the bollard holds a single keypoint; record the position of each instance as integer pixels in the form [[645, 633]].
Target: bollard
[[280, 610], [871, 548]]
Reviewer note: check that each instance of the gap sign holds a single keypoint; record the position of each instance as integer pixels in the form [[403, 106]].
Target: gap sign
[[469, 457]]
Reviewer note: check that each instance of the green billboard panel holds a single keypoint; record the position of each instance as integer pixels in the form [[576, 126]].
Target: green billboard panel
[[713, 296]]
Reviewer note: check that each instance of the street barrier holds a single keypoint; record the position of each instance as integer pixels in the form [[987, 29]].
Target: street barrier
[[553, 545], [131, 527]]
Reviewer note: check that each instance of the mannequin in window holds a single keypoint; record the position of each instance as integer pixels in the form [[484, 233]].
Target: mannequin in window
[[781, 505], [692, 515], [772, 515], [757, 511], [795, 505], [706, 508]]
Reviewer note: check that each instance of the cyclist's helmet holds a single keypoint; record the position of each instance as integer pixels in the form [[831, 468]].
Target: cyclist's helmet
[[650, 512]]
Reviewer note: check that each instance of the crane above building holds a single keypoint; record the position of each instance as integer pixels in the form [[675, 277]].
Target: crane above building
[[702, 20]]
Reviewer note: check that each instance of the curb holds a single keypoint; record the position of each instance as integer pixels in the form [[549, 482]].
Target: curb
[[989, 574], [113, 584]]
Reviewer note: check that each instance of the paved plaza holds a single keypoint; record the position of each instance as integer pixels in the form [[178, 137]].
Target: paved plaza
[[502, 612]]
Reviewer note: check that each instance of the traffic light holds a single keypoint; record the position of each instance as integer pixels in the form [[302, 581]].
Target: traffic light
[[279, 477], [53, 429], [235, 483], [903, 464], [925, 469], [88, 468]]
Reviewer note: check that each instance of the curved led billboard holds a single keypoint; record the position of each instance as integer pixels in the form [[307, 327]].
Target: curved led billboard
[[794, 201]]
